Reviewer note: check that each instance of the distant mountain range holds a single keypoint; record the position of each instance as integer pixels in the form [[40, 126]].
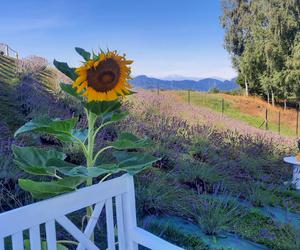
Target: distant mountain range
[[204, 85]]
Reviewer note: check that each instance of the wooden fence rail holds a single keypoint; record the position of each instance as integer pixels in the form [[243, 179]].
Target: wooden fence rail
[[8, 51]]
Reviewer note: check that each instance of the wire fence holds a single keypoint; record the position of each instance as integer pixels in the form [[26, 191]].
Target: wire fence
[[258, 113]]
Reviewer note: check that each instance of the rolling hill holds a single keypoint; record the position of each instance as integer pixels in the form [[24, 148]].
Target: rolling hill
[[203, 85]]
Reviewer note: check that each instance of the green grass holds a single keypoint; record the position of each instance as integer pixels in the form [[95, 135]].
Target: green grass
[[214, 102], [7, 69], [263, 230]]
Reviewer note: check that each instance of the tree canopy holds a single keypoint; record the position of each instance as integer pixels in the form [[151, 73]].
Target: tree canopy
[[263, 39]]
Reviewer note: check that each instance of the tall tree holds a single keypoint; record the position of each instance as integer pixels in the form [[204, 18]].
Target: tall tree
[[235, 21], [262, 37]]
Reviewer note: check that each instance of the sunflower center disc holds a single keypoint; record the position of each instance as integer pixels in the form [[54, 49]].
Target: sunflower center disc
[[105, 76]]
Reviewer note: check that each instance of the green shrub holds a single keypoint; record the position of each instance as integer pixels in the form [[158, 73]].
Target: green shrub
[[202, 150], [199, 176], [157, 194], [216, 214], [177, 237], [259, 196], [261, 229]]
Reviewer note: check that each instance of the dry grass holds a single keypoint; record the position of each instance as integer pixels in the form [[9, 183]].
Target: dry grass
[[256, 106], [251, 110]]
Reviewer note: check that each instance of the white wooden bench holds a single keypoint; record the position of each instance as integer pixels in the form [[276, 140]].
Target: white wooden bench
[[119, 191]]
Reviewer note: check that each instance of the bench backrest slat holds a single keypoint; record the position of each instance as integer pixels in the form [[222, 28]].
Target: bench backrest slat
[[110, 224], [51, 235], [35, 238], [120, 223], [17, 241]]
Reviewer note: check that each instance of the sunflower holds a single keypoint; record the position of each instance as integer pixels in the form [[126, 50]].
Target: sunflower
[[105, 78]]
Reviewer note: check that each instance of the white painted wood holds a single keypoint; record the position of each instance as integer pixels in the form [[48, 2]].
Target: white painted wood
[[151, 241], [296, 170], [92, 222], [17, 241], [110, 225], [51, 210], [35, 238], [291, 160], [76, 233], [296, 176], [2, 244], [51, 235], [120, 223], [59, 206], [129, 214]]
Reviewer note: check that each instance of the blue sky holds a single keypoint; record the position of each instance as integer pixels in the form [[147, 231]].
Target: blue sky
[[163, 37]]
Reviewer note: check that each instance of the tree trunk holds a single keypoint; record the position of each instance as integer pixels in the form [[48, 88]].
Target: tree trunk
[[284, 104], [246, 87], [273, 98], [268, 97]]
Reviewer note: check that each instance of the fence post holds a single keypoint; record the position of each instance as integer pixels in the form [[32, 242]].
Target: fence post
[[222, 106], [266, 121], [279, 118], [189, 96], [297, 122]]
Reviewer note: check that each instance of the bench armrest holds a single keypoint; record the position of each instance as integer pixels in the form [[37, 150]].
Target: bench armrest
[[151, 241]]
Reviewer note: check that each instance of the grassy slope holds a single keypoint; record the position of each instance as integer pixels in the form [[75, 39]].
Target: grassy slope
[[7, 69], [9, 80], [248, 109]]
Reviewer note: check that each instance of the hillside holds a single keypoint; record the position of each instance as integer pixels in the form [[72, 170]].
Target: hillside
[[18, 92], [7, 69], [251, 110], [203, 85], [200, 151]]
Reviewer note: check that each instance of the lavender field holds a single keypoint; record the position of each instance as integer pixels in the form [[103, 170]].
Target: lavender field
[[218, 185]]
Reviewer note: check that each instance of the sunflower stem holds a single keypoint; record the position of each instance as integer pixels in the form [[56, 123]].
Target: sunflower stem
[[90, 156]]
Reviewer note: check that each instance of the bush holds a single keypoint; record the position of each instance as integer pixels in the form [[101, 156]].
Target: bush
[[259, 196], [199, 176], [30, 67], [157, 194], [214, 90], [261, 229], [176, 236], [215, 214]]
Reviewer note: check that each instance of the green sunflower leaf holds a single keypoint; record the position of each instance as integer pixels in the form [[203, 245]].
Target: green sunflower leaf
[[65, 69], [67, 88], [134, 162], [42, 190], [34, 160], [95, 56], [102, 108], [130, 141], [61, 129], [114, 117], [85, 55], [80, 134], [73, 170], [129, 92]]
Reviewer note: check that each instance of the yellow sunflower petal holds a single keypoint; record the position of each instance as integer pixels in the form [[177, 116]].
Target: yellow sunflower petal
[[81, 87], [79, 80]]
